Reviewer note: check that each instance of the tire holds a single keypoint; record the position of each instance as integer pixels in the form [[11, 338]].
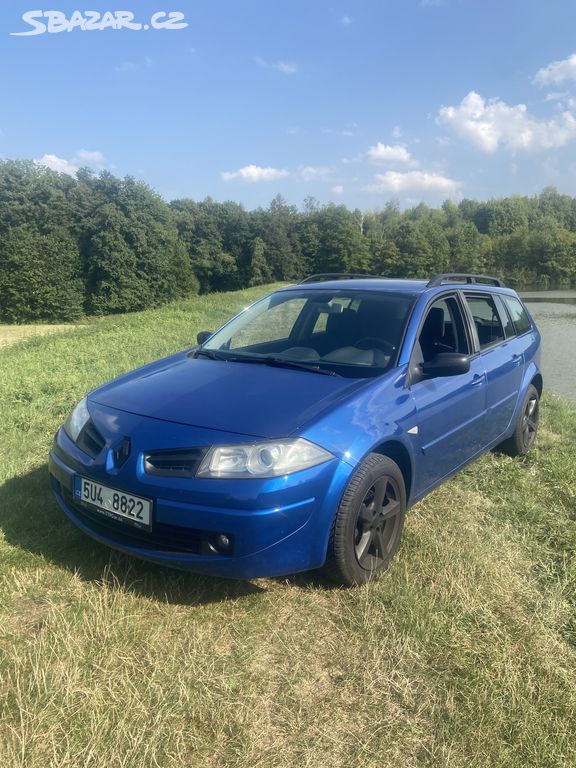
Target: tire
[[524, 434], [368, 524]]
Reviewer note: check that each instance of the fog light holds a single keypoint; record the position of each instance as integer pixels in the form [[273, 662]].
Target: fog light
[[223, 541]]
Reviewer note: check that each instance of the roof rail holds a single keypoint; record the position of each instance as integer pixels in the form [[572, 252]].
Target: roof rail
[[339, 276], [459, 277]]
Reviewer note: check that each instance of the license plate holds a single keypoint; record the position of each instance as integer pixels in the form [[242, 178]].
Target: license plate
[[113, 503]]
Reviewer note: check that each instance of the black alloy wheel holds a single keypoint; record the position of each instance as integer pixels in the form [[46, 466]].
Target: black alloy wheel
[[526, 428], [368, 525]]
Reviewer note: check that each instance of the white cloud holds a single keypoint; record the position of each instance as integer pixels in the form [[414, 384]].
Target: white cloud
[[557, 96], [489, 124], [557, 72], [83, 157], [346, 20], [286, 67], [562, 99], [58, 164], [126, 66], [395, 181], [397, 132], [132, 66], [314, 172], [349, 130], [385, 153], [338, 189], [90, 156], [254, 173]]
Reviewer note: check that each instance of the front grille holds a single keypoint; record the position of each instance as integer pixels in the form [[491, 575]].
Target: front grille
[[90, 440], [121, 453], [167, 538], [182, 463]]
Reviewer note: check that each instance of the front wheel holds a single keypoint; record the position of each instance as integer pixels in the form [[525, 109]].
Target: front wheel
[[368, 524], [526, 427]]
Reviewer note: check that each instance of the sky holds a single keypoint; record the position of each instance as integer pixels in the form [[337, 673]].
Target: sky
[[357, 102]]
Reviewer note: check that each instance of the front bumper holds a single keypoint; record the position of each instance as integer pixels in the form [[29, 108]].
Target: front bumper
[[277, 526]]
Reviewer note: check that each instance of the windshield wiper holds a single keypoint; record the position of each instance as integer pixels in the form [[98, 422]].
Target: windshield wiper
[[208, 353], [278, 362], [281, 362]]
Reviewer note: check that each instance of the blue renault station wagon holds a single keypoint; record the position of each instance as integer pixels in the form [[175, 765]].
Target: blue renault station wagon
[[297, 435]]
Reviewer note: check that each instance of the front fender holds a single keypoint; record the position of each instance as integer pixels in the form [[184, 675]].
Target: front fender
[[376, 420]]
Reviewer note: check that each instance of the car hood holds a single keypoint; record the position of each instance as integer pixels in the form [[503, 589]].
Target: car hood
[[245, 398]]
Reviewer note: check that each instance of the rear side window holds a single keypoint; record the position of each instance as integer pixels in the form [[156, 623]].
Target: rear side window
[[519, 315], [509, 329], [486, 319]]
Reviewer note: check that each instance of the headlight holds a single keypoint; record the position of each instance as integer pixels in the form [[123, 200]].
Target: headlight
[[77, 420], [268, 459]]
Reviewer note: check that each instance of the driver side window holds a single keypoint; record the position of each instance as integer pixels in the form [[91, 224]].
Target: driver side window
[[443, 330]]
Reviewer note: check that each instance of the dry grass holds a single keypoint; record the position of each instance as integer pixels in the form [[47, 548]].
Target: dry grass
[[462, 656], [11, 334]]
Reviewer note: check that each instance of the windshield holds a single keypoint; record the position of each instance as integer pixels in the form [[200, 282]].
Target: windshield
[[354, 333]]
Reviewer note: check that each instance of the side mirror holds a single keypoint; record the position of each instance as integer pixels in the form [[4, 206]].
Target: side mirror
[[203, 336], [446, 364]]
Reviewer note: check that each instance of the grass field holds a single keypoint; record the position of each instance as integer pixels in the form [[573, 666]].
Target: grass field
[[10, 334], [463, 654]]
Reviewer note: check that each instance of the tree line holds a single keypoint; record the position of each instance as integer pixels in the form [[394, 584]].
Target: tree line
[[97, 244]]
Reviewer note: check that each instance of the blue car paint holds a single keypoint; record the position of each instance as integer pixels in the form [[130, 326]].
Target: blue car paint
[[259, 401], [282, 525], [265, 517]]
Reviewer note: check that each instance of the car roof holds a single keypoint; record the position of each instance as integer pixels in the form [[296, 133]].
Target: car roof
[[380, 284], [393, 285]]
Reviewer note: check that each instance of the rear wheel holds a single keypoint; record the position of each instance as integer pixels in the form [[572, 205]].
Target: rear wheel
[[368, 525], [526, 426]]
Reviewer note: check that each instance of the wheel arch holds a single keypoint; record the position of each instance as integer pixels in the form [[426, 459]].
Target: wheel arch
[[538, 382], [398, 452]]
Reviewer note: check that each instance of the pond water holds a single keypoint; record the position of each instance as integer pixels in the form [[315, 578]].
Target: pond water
[[555, 316]]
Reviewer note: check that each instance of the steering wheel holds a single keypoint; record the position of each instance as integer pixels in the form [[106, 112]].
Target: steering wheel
[[369, 342]]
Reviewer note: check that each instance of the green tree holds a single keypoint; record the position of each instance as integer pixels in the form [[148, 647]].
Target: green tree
[[414, 250], [259, 270], [197, 224], [387, 260], [278, 230], [468, 251], [343, 247], [111, 266], [40, 276]]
